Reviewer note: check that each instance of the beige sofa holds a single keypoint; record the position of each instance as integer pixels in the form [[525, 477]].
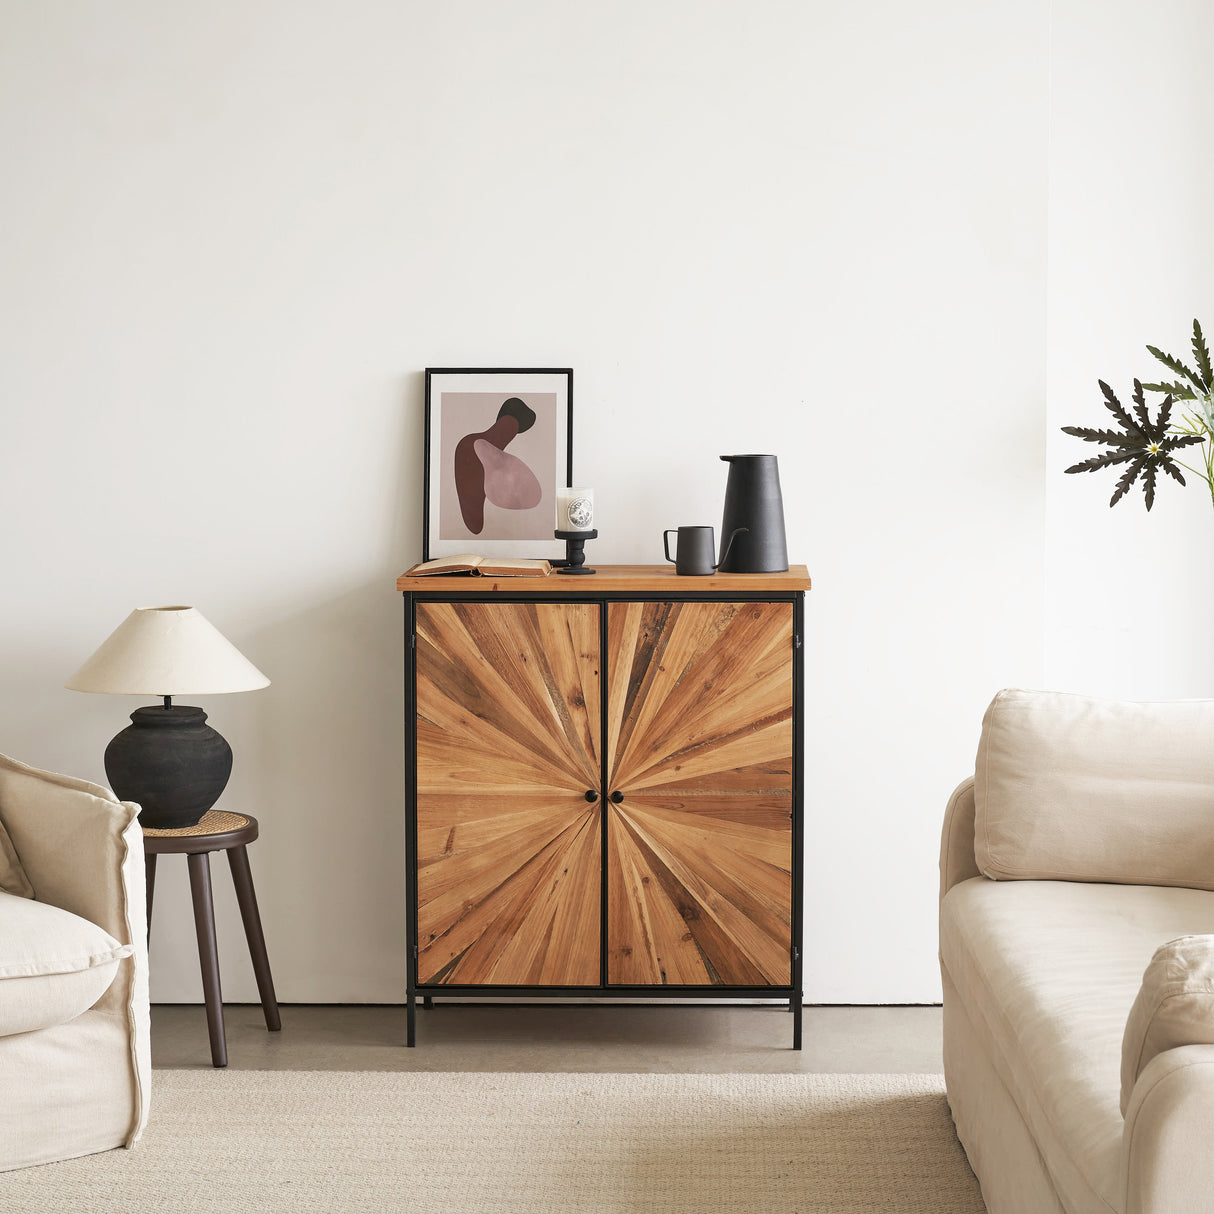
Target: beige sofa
[[74, 1029], [1077, 958]]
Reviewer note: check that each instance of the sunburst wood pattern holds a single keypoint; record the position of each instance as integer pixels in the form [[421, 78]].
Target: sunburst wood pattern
[[508, 848], [699, 743]]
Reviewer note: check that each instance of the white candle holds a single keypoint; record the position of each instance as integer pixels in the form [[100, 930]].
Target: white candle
[[574, 509]]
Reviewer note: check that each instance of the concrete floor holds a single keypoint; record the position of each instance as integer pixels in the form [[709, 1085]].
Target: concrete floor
[[558, 1037]]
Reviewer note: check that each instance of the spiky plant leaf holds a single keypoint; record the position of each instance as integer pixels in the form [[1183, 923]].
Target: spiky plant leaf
[[1126, 482], [1140, 412], [1175, 441], [1148, 484], [1113, 405], [1201, 355], [1165, 413], [1178, 390], [1112, 438], [1176, 365], [1172, 470], [1103, 461]]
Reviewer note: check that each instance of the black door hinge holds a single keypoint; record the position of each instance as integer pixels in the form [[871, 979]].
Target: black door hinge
[[415, 952], [796, 641]]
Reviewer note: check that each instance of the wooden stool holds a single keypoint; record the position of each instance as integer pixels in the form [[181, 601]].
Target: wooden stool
[[217, 831]]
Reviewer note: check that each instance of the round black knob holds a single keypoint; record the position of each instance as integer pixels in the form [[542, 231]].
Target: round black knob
[[617, 796], [591, 795]]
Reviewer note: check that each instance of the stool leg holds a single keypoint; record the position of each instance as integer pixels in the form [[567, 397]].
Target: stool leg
[[208, 954], [149, 870], [242, 879]]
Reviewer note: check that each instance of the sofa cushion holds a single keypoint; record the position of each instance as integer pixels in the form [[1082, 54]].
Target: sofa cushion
[[12, 876], [1047, 972], [1077, 789], [1174, 1007], [53, 964]]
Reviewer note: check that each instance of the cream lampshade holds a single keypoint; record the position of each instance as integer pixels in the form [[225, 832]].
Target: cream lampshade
[[167, 651], [168, 759]]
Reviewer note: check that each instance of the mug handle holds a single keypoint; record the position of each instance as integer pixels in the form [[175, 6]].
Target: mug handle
[[666, 543]]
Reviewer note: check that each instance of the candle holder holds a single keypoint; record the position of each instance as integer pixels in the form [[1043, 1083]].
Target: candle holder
[[575, 555]]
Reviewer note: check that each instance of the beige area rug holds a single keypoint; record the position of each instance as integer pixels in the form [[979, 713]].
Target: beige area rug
[[270, 1141]]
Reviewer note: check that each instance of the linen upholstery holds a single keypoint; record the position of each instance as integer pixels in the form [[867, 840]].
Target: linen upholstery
[[1078, 789], [81, 1086], [67, 1092], [1048, 972], [1174, 1007], [996, 1140], [957, 838], [1045, 995], [53, 964], [1168, 1129], [12, 876]]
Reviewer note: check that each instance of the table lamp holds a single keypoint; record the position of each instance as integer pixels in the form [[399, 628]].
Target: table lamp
[[168, 760]]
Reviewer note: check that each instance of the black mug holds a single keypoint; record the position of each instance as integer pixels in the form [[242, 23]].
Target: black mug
[[696, 549]]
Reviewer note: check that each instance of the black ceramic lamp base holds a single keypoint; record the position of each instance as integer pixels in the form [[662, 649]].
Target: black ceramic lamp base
[[171, 763], [575, 550]]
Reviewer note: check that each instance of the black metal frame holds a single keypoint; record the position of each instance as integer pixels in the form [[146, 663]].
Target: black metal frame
[[431, 371], [793, 993]]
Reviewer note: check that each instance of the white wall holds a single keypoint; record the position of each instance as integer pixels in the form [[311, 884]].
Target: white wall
[[1131, 261], [234, 235]]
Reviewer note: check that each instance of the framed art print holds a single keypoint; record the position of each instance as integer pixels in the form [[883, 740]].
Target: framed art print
[[499, 444]]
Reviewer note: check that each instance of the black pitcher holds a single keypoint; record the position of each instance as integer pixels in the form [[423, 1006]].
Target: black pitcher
[[753, 504]]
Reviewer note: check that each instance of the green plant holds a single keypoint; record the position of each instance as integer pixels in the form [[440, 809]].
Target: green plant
[[1147, 446]]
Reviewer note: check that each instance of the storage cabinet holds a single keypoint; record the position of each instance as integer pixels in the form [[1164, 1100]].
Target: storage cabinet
[[604, 785]]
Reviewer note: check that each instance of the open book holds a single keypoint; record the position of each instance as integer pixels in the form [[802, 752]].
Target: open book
[[482, 566]]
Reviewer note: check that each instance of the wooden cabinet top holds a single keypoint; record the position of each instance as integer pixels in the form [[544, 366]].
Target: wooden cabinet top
[[615, 579]]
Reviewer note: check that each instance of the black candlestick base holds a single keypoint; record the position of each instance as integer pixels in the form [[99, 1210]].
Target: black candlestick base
[[575, 555]]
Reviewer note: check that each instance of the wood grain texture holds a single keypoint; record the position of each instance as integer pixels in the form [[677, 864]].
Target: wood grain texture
[[699, 743], [508, 728], [613, 579]]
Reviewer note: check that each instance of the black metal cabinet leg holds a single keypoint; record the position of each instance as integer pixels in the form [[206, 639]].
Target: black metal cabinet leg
[[149, 871], [427, 1002], [411, 1020], [208, 953], [796, 1026], [242, 879]]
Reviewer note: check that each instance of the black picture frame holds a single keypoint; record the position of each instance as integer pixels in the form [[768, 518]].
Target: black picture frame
[[460, 397]]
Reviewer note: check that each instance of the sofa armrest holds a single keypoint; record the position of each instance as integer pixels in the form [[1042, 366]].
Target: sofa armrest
[[1174, 1007], [957, 861], [74, 839], [1169, 1167], [82, 850]]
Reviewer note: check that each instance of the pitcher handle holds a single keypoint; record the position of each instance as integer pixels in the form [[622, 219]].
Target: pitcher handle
[[666, 543], [733, 535]]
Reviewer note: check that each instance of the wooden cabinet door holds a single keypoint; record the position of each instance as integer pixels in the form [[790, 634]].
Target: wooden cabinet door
[[508, 848], [700, 747]]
